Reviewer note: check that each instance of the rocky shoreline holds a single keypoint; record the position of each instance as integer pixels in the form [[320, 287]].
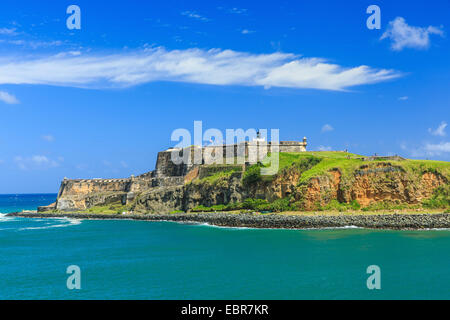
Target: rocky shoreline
[[276, 221]]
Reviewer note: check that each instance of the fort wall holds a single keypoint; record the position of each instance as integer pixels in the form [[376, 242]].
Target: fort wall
[[84, 186], [83, 193], [250, 152]]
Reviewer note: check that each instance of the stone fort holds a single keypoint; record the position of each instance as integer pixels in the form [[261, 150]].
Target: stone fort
[[194, 161]]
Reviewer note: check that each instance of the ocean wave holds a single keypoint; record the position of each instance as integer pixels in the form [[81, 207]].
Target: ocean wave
[[206, 224], [332, 228], [4, 217], [71, 222]]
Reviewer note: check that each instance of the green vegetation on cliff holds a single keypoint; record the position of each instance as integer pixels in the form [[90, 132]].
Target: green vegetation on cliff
[[396, 184], [214, 173], [298, 161], [113, 208], [395, 181], [260, 205], [440, 199], [347, 163], [306, 181]]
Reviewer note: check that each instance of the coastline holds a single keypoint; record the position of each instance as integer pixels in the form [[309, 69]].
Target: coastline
[[274, 221]]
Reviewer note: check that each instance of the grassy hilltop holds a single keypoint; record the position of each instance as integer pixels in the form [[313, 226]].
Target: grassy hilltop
[[339, 181], [347, 163]]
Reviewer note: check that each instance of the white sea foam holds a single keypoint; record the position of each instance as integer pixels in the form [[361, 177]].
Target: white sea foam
[[3, 217], [344, 227], [71, 222], [206, 224]]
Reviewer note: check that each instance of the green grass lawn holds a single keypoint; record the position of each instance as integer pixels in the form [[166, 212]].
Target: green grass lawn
[[225, 171], [217, 176], [421, 166], [325, 161], [113, 208]]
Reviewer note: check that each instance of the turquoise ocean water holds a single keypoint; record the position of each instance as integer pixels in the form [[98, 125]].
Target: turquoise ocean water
[[164, 260]]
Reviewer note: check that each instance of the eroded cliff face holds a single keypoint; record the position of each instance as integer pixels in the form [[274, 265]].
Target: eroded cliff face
[[223, 191], [319, 191], [367, 184], [161, 199], [379, 182], [191, 195], [283, 185], [82, 194], [86, 201]]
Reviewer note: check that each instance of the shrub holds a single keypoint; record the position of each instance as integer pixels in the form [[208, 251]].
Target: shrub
[[307, 163], [201, 208], [234, 206], [253, 204], [252, 175], [278, 205], [335, 205], [440, 199], [219, 207], [355, 205], [386, 205]]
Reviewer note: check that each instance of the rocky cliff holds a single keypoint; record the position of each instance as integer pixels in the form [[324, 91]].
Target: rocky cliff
[[305, 181]]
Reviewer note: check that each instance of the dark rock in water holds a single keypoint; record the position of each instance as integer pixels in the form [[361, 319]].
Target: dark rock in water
[[48, 208]]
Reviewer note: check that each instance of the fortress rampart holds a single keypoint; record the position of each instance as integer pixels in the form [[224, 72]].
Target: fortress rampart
[[82, 193], [245, 152]]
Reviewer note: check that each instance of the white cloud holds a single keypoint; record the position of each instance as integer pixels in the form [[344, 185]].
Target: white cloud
[[8, 31], [427, 149], [437, 149], [8, 98], [403, 35], [325, 148], [35, 162], [48, 137], [404, 98], [237, 10], [439, 131], [233, 10], [327, 128], [39, 159], [246, 31], [403, 146], [35, 44], [194, 15], [214, 67]]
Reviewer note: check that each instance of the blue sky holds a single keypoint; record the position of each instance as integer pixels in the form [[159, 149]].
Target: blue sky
[[103, 100]]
